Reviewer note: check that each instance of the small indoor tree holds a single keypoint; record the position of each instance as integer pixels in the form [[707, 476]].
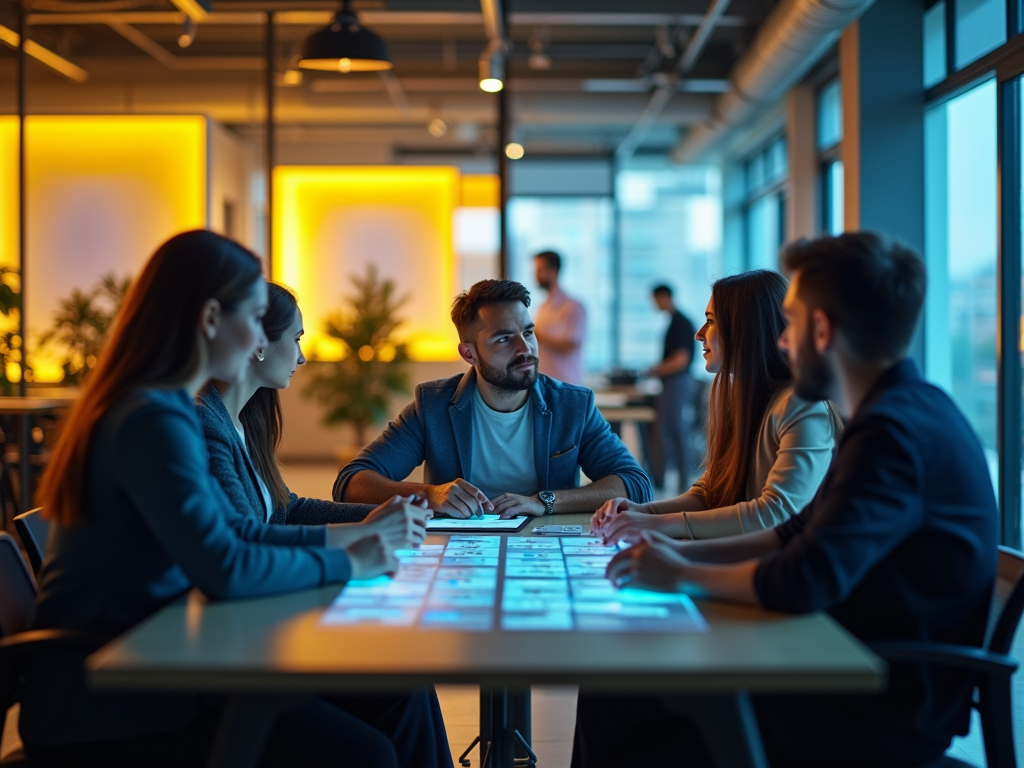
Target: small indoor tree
[[356, 389], [82, 323]]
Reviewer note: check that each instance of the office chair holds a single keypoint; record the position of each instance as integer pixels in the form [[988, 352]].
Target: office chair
[[18, 644], [34, 532], [991, 664]]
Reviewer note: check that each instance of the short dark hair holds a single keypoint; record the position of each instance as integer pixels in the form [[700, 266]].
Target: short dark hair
[[551, 259], [871, 287], [661, 290], [466, 307]]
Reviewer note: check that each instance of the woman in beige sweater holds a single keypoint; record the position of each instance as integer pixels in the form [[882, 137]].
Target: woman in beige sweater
[[767, 449]]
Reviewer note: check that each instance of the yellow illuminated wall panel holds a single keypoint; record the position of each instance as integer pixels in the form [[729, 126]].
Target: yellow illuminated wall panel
[[331, 222], [103, 193]]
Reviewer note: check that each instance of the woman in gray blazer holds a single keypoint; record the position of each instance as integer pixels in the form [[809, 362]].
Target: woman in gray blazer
[[768, 450], [242, 425], [137, 521]]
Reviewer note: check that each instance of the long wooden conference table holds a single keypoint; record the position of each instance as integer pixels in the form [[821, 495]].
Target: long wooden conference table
[[267, 653]]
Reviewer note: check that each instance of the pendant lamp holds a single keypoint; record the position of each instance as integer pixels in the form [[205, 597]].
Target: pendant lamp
[[345, 46]]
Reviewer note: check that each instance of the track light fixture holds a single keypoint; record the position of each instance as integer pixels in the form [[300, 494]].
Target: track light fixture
[[492, 68], [345, 46], [188, 33]]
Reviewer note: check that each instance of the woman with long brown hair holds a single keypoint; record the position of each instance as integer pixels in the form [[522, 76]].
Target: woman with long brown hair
[[242, 424], [137, 521], [767, 449]]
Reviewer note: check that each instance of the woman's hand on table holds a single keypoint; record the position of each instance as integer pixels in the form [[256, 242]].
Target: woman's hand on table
[[607, 511], [652, 564], [401, 522], [370, 557]]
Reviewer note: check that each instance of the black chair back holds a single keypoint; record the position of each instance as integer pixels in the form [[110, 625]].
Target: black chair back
[[1007, 601], [34, 532], [17, 589]]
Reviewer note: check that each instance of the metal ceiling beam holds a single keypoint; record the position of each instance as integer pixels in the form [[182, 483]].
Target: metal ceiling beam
[[391, 18], [662, 94], [44, 55], [169, 60]]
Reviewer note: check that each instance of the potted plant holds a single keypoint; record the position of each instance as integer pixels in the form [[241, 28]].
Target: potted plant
[[11, 352], [357, 388], [82, 323]]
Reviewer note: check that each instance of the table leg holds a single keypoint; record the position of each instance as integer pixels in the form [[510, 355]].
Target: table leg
[[245, 723], [497, 731], [729, 727], [25, 467]]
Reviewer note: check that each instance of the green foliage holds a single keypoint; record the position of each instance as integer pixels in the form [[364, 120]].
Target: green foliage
[[357, 388], [10, 341], [83, 322]]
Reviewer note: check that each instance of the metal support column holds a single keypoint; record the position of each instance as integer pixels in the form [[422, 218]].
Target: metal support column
[[503, 186], [270, 142], [1008, 311], [25, 426]]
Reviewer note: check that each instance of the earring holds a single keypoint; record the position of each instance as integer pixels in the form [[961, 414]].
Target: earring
[[260, 355]]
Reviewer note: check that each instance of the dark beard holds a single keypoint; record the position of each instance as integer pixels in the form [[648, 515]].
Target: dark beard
[[812, 377], [508, 379]]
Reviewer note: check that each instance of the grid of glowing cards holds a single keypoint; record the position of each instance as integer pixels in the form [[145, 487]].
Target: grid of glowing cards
[[545, 584]]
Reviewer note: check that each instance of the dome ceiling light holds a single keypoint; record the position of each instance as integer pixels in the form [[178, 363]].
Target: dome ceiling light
[[345, 46]]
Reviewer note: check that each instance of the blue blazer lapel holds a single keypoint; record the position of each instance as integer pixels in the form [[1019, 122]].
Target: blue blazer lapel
[[541, 437], [211, 397], [460, 411]]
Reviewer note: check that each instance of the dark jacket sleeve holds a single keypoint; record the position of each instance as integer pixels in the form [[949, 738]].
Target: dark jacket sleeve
[[225, 554], [319, 512], [603, 454], [398, 451], [871, 503]]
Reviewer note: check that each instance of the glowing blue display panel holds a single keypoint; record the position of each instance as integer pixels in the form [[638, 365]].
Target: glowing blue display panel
[[482, 583]]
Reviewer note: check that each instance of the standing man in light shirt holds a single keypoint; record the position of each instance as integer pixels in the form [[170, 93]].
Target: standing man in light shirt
[[560, 325]]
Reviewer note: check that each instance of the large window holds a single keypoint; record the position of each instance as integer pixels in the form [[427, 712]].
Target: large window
[[581, 229], [962, 244], [670, 232], [830, 136], [766, 175]]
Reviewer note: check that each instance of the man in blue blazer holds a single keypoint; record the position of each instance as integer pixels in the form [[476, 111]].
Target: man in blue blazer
[[502, 437]]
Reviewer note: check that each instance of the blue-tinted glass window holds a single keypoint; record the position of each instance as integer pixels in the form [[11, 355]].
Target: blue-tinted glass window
[[935, 44], [764, 232], [980, 28], [833, 198], [581, 229], [961, 246], [830, 115]]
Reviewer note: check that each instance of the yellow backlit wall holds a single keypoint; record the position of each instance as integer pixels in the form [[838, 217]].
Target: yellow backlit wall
[[103, 193], [330, 222]]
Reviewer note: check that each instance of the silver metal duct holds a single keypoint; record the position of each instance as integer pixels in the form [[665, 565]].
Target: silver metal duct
[[788, 44]]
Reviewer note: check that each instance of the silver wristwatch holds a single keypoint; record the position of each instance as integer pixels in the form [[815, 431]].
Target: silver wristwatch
[[548, 499]]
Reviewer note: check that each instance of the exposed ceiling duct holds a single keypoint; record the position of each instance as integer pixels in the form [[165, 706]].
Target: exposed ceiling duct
[[788, 44]]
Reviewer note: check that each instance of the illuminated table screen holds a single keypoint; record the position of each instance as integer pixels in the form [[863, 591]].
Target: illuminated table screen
[[554, 584]]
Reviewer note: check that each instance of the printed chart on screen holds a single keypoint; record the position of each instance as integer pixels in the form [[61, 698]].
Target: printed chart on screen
[[481, 583]]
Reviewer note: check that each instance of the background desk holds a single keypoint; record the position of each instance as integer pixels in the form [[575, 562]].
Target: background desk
[[26, 407], [278, 646]]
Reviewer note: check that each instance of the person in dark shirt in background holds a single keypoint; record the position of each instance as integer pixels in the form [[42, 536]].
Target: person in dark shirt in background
[[900, 542], [673, 419]]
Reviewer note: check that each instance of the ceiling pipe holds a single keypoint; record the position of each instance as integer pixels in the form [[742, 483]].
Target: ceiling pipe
[[789, 43], [662, 94]]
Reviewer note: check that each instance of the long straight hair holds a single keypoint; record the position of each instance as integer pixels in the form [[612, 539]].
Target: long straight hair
[[748, 315], [261, 415], [155, 342]]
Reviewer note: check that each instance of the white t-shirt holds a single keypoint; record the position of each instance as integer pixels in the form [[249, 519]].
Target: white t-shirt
[[268, 502], [502, 460]]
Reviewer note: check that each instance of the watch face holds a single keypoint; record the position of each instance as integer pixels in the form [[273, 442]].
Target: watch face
[[546, 496]]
